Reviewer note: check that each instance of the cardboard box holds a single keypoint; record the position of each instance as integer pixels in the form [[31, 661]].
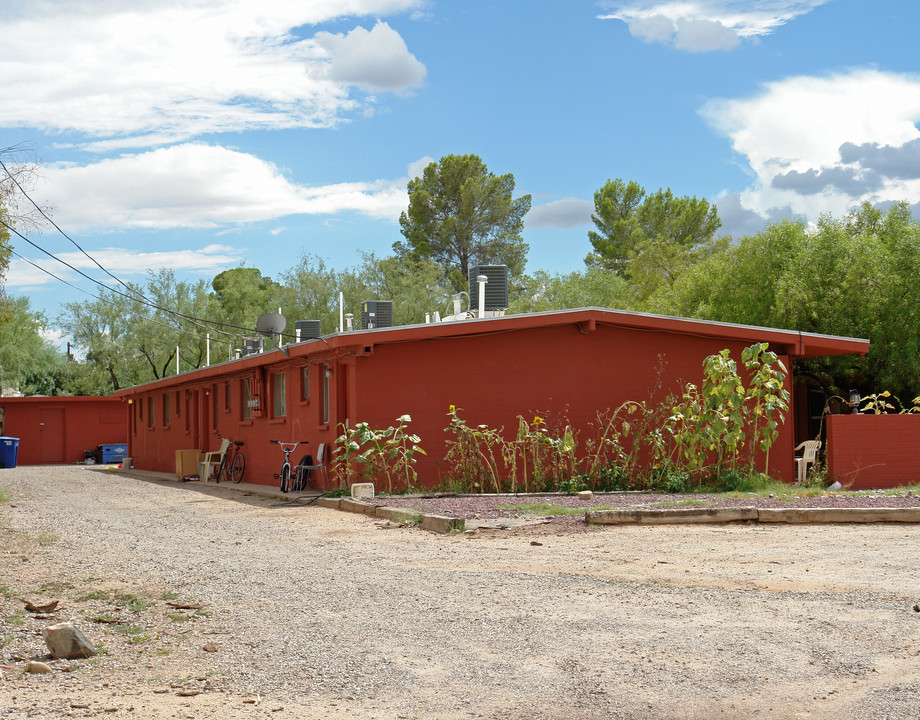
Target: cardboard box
[[187, 462]]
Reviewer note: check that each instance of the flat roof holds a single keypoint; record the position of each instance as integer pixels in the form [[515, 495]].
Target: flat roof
[[786, 342]]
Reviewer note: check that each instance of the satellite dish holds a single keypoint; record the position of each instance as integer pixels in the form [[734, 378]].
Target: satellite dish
[[271, 324]]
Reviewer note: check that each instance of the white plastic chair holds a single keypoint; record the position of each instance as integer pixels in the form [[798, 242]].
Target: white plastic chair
[[809, 457], [215, 458], [320, 462]]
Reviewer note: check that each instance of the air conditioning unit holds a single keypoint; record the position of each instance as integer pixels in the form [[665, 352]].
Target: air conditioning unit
[[376, 314], [496, 288], [252, 346], [306, 330]]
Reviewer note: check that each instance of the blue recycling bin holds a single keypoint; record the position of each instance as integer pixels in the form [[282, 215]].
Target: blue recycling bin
[[9, 449]]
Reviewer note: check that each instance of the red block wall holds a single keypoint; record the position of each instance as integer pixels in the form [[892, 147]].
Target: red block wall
[[873, 451], [59, 429]]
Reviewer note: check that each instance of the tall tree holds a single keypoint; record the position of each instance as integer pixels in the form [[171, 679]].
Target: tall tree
[[627, 219], [414, 285], [135, 341], [460, 215]]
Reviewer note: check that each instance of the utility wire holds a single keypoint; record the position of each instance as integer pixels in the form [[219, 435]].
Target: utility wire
[[141, 299], [56, 227], [96, 297], [134, 291]]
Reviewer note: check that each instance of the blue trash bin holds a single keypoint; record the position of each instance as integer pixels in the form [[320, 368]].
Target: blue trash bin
[[9, 449]]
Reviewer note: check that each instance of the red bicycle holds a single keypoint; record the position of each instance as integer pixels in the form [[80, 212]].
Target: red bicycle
[[233, 464]]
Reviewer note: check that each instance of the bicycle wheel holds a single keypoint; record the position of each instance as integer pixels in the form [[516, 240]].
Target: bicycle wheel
[[221, 469], [238, 467], [285, 477], [304, 472], [297, 480]]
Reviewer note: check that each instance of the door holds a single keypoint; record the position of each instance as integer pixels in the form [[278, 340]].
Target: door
[[51, 435]]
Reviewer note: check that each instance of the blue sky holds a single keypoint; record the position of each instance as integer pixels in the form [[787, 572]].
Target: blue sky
[[206, 135]]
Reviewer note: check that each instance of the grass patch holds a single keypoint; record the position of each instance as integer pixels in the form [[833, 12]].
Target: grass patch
[[7, 592], [46, 539], [5, 496], [129, 629], [94, 595], [55, 588], [680, 503], [106, 619], [169, 595], [545, 509], [131, 602], [18, 617]]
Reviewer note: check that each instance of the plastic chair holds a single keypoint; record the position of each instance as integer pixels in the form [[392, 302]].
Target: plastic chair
[[320, 463], [809, 457], [215, 458]]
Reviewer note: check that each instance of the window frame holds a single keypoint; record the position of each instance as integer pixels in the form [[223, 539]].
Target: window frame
[[279, 395]]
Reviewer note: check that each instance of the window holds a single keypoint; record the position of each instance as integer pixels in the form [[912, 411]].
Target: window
[[151, 407], [214, 406], [178, 403], [246, 399], [305, 383], [165, 409], [227, 387], [279, 394], [326, 373]]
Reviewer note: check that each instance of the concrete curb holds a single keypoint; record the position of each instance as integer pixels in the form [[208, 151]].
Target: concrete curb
[[839, 515], [442, 524], [356, 506], [626, 516], [658, 516], [433, 523], [400, 515], [328, 502]]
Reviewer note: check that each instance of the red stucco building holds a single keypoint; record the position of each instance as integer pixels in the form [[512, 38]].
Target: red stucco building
[[62, 429], [578, 361]]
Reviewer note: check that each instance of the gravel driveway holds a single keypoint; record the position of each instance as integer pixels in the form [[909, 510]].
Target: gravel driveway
[[312, 613]]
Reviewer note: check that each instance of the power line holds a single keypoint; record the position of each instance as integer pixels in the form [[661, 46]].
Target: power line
[[96, 297], [139, 298], [142, 298]]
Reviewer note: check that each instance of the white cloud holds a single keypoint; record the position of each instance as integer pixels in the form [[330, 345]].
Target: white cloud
[[564, 213], [375, 60], [195, 185], [825, 144], [23, 276], [169, 70], [417, 168], [706, 25]]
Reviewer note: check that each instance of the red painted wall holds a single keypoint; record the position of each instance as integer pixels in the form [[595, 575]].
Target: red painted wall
[[200, 413], [873, 451], [59, 429], [495, 378]]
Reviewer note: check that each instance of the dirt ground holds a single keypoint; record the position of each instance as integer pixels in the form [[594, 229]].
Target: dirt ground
[[308, 612]]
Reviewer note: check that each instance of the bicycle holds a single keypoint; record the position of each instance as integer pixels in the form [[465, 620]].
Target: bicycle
[[296, 483], [233, 464]]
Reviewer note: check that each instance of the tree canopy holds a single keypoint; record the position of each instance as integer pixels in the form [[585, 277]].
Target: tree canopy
[[461, 215], [628, 221]]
